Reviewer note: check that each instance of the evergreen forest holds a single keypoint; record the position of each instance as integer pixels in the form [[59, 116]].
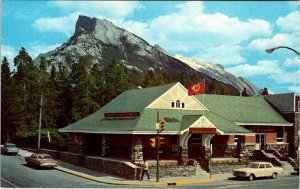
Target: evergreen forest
[[64, 95]]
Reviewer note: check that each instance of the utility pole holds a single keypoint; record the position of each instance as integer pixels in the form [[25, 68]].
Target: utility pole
[[157, 148], [40, 124]]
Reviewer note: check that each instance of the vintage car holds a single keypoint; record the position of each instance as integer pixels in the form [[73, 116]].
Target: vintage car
[[9, 148], [39, 160], [258, 169]]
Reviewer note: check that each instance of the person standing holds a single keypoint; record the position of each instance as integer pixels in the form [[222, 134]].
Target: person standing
[[145, 170]]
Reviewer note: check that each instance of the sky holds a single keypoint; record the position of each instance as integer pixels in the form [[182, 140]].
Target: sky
[[233, 34]]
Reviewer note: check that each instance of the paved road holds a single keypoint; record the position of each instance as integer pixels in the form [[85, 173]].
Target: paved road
[[14, 173], [283, 182]]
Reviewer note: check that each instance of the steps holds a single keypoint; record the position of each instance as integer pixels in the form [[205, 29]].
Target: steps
[[200, 171], [287, 167]]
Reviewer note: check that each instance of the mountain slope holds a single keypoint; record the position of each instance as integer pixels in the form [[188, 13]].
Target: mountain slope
[[103, 41], [217, 72]]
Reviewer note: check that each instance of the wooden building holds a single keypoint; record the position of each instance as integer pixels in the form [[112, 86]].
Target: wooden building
[[195, 126]]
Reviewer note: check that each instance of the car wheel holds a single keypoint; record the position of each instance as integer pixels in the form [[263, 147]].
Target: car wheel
[[251, 177], [274, 176]]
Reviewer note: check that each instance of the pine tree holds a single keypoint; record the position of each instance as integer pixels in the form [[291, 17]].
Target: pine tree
[[83, 104], [149, 79], [26, 79], [116, 80], [98, 83], [244, 93], [6, 101], [62, 83], [265, 91]]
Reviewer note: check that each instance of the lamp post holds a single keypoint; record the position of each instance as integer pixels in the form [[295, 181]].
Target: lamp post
[[298, 54], [279, 47]]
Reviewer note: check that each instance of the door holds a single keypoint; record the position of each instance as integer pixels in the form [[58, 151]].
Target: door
[[260, 140]]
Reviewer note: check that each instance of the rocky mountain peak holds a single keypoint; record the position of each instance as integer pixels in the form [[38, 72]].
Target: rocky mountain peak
[[102, 29], [103, 42]]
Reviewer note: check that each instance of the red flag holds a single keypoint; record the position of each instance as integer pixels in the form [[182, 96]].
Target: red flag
[[198, 88]]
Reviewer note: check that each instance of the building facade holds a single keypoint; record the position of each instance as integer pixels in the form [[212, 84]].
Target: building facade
[[196, 127]]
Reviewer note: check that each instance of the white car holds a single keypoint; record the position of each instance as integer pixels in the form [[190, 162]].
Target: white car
[[258, 169]]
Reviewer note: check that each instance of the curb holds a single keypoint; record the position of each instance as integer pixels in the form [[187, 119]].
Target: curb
[[126, 183]]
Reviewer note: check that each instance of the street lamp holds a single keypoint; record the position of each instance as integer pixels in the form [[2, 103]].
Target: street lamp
[[275, 48], [298, 54]]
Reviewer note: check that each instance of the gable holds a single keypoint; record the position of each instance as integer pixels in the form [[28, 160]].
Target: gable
[[176, 98], [202, 122]]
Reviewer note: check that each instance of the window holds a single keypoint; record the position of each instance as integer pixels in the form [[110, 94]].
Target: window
[[268, 166], [261, 166], [236, 139], [178, 104], [280, 138]]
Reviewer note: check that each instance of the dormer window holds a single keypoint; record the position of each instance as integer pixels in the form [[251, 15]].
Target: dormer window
[[178, 104]]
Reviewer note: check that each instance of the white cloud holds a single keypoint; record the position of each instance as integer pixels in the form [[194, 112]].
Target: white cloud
[[222, 54], [292, 62], [289, 23], [207, 29], [190, 29], [115, 11], [9, 52], [37, 48], [65, 24], [295, 89], [138, 28], [282, 39], [263, 67], [111, 9], [287, 77]]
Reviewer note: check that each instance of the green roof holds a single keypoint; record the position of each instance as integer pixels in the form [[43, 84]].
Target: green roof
[[242, 109], [175, 121], [224, 113], [134, 100], [224, 125]]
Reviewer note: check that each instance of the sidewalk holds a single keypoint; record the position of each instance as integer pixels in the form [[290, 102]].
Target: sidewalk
[[109, 179]]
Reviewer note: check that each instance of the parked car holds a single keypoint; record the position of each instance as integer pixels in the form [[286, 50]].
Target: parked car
[[9, 148], [258, 169], [39, 160]]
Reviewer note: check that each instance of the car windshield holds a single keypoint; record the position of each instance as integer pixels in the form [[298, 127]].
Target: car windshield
[[44, 157], [10, 145], [253, 165]]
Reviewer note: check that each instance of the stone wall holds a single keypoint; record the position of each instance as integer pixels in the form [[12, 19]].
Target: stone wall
[[118, 168], [296, 131], [72, 158], [224, 150], [137, 151], [176, 171], [183, 155], [225, 168], [246, 151]]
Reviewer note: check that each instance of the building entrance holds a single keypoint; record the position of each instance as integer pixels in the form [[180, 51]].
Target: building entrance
[[260, 141]]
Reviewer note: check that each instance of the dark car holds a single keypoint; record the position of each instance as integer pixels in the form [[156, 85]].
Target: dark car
[[39, 160], [9, 148]]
